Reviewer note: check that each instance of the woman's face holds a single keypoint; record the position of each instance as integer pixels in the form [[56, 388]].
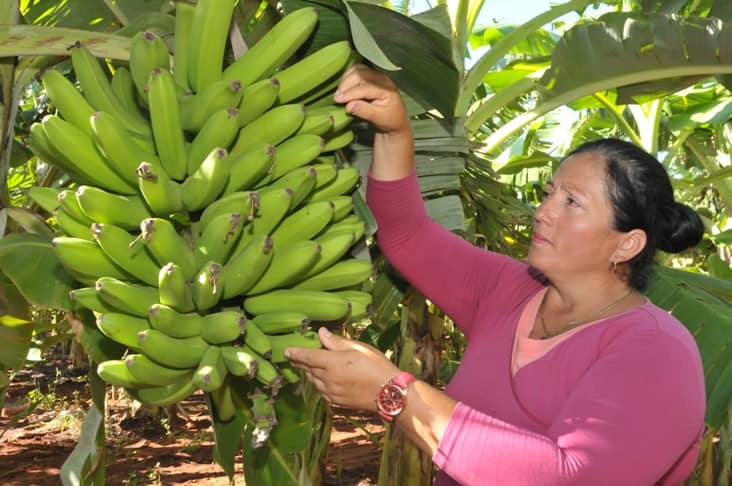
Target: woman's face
[[573, 231]]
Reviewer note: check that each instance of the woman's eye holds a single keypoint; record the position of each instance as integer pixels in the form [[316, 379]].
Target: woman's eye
[[572, 201]]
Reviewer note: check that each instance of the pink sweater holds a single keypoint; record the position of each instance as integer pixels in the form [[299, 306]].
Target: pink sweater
[[618, 402]]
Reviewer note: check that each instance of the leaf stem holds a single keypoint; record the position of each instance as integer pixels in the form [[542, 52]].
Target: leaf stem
[[112, 5]]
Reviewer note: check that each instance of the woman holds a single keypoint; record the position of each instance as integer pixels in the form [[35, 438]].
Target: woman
[[570, 375]]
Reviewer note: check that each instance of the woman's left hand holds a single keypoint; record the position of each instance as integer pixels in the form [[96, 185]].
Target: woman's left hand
[[348, 373]]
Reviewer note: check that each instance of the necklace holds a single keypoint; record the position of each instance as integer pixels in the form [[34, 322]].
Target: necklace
[[578, 322]]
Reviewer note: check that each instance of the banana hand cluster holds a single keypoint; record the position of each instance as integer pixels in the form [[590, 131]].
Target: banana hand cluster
[[208, 225]]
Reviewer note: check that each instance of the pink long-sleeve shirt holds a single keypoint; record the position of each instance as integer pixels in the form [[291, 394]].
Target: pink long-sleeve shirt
[[620, 401]]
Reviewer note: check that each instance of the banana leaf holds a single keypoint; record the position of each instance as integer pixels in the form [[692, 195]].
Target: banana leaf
[[642, 57], [30, 263], [85, 465], [709, 319]]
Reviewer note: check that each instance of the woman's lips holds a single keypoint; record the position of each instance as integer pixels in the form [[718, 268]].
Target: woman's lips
[[539, 238]]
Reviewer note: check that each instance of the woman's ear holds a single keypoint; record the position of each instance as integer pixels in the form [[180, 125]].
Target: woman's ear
[[630, 245]]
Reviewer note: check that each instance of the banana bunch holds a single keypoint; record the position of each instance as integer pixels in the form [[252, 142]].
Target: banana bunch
[[209, 226]]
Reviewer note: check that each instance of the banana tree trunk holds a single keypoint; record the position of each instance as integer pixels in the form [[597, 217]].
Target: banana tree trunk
[[9, 14], [418, 352]]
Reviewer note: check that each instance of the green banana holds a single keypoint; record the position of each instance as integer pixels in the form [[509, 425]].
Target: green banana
[[179, 353], [332, 248], [243, 270], [342, 207], [244, 203], [288, 264], [134, 299], [123, 86], [147, 53], [184, 13], [196, 109], [104, 207], [218, 239], [175, 290], [257, 340], [113, 141], [244, 361], [248, 167], [303, 224], [207, 182], [273, 126], [295, 152], [359, 311], [149, 372], [349, 224], [86, 257], [341, 118], [316, 304], [211, 370], [98, 91], [300, 180], [80, 151], [222, 403], [339, 140], [70, 225], [207, 287], [307, 74], [346, 273], [46, 197], [280, 342], [240, 361], [161, 193], [281, 322], [173, 323], [115, 372], [274, 48], [266, 372], [323, 94], [208, 34], [344, 183], [166, 124], [289, 373], [68, 101], [166, 245], [88, 298], [44, 150], [69, 202], [164, 396], [218, 131], [359, 296], [272, 207], [256, 99], [223, 327], [316, 124], [122, 328], [120, 247]]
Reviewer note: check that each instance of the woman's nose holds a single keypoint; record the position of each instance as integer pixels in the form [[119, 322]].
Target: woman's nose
[[545, 212]]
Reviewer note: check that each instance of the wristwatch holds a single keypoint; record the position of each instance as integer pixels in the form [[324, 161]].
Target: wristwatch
[[392, 397]]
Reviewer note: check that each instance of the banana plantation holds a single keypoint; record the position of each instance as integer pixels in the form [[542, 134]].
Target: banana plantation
[[181, 199]]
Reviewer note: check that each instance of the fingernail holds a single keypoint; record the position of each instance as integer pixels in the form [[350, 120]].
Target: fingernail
[[324, 332], [338, 93], [288, 353]]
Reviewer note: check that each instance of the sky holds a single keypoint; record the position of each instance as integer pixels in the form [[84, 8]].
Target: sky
[[512, 11]]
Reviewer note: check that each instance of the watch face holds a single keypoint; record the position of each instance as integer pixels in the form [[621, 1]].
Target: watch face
[[391, 399]]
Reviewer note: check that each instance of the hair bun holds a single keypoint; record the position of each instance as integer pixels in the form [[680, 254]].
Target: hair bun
[[680, 228]]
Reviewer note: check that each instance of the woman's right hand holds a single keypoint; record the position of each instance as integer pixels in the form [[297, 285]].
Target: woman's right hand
[[373, 97]]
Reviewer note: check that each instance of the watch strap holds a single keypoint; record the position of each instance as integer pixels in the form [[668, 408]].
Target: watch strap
[[395, 388], [403, 379]]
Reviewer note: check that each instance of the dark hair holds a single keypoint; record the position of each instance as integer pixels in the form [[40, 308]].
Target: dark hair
[[642, 197]]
